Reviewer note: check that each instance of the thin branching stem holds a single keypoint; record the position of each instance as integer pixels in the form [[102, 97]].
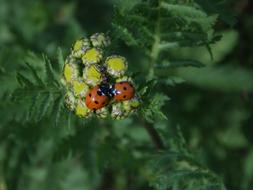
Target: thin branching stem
[[155, 50], [154, 135]]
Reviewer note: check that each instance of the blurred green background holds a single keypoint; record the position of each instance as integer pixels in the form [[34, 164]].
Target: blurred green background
[[213, 105]]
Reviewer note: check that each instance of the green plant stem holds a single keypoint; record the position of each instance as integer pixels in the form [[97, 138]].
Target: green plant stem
[[154, 135], [107, 180], [155, 47], [155, 50]]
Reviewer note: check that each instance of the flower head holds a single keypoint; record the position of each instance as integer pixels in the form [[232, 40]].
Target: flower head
[[102, 113], [81, 109], [92, 55], [86, 69], [119, 112], [70, 101], [100, 40], [92, 75], [116, 65], [79, 47], [70, 70], [80, 88]]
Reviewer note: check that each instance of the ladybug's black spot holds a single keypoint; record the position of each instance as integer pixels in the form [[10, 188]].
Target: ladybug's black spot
[[99, 93], [124, 96], [103, 103], [96, 102], [121, 82], [89, 94], [125, 88], [130, 84]]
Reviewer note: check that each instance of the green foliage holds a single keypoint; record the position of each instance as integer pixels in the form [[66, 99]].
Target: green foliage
[[41, 93], [179, 169], [157, 27], [192, 69], [180, 63], [220, 78], [183, 174], [152, 103], [221, 8], [63, 175]]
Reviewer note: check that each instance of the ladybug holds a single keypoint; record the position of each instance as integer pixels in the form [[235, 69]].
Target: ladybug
[[123, 91], [97, 98]]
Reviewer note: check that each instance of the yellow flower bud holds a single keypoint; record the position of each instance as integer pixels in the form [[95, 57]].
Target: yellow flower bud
[[124, 78], [70, 72], [79, 47], [70, 101], [80, 88], [92, 75], [100, 40], [82, 110], [102, 113], [135, 102], [92, 55], [116, 65], [118, 111]]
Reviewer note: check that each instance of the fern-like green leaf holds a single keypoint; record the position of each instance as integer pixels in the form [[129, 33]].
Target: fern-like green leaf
[[57, 109], [60, 60], [51, 78], [40, 91], [179, 169], [156, 27], [152, 110], [180, 63], [35, 75], [24, 81]]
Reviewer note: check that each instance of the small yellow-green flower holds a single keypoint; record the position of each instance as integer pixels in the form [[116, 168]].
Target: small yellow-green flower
[[102, 113], [79, 47], [80, 88], [84, 69], [91, 56], [135, 102], [126, 105], [81, 109], [131, 105], [118, 111], [100, 40], [92, 75], [124, 78], [70, 101], [70, 71], [116, 65]]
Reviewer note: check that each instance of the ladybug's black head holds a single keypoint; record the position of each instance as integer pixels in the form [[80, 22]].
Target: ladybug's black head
[[106, 90]]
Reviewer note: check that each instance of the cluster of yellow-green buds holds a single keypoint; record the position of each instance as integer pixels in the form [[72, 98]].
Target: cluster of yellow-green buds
[[82, 71]]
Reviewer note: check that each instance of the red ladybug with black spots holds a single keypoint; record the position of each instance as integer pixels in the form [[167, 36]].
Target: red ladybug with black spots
[[99, 96], [123, 91], [96, 98]]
